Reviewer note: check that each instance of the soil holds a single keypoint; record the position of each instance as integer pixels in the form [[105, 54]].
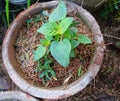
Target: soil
[[106, 85], [29, 39]]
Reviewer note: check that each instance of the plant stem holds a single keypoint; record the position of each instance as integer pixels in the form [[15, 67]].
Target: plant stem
[[28, 3], [7, 12], [61, 37]]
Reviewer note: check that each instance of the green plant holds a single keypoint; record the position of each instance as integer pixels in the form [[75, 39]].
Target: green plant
[[60, 40], [28, 3], [80, 71], [118, 44], [46, 71], [109, 7], [7, 12]]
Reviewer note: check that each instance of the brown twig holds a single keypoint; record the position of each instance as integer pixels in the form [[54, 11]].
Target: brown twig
[[111, 36]]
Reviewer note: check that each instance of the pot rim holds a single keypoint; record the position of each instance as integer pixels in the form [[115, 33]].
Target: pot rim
[[57, 92]]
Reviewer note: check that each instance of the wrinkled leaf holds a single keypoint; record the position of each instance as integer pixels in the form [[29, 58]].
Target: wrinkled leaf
[[49, 29], [45, 42], [84, 39], [60, 50], [57, 37], [68, 34], [48, 37], [59, 13], [65, 23], [72, 53], [74, 43], [74, 30], [39, 53]]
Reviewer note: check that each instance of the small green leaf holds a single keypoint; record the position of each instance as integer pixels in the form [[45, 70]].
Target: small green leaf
[[39, 69], [59, 13], [65, 23], [57, 37], [74, 24], [68, 34], [43, 74], [39, 53], [47, 77], [49, 29], [60, 50], [47, 64], [74, 30], [84, 39], [118, 43], [45, 42], [72, 53], [52, 73], [74, 43], [80, 71], [48, 37]]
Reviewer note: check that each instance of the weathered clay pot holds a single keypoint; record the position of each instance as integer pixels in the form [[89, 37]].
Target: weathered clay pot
[[12, 66], [15, 96]]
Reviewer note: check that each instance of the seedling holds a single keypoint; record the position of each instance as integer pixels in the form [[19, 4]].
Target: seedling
[[60, 39]]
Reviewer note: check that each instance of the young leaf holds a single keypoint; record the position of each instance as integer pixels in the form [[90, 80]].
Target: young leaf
[[42, 74], [68, 34], [49, 29], [65, 23], [57, 37], [59, 13], [47, 77], [84, 39], [48, 37], [74, 43], [74, 24], [80, 71], [118, 43], [72, 53], [60, 50], [74, 30], [52, 73], [45, 42], [39, 53], [39, 69]]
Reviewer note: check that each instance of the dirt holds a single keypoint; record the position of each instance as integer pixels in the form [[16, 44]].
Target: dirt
[[106, 85]]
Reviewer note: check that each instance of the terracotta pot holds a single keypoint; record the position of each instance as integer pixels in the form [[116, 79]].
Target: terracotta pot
[[12, 66], [15, 96]]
